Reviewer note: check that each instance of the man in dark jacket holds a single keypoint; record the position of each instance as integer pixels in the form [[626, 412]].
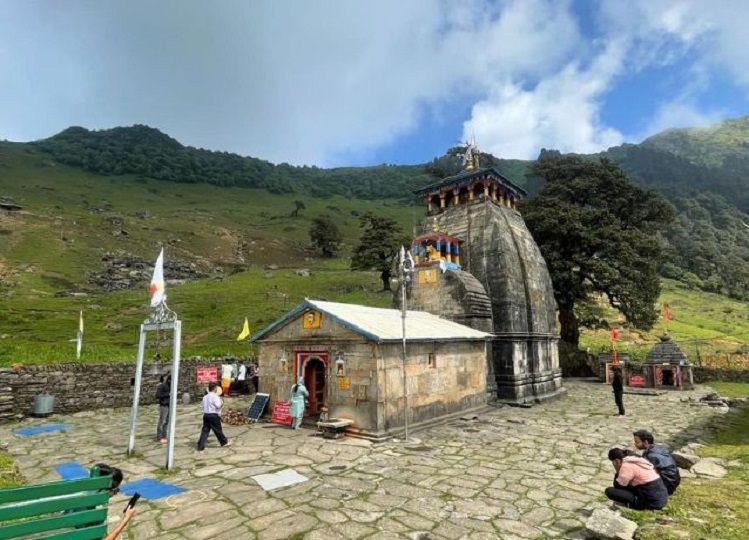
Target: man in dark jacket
[[163, 392], [617, 384], [660, 457]]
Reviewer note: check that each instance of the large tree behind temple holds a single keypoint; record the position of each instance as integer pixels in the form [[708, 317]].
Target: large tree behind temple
[[599, 234], [380, 241]]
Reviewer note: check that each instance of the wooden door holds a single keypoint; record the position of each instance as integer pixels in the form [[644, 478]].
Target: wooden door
[[314, 380]]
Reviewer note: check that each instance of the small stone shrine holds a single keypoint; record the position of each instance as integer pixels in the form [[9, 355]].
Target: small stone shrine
[[666, 366], [606, 365], [351, 360]]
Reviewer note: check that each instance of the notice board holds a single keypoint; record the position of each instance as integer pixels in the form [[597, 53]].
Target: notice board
[[281, 413], [206, 374]]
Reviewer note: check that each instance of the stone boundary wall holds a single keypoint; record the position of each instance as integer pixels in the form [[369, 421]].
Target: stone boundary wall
[[79, 387], [707, 375]]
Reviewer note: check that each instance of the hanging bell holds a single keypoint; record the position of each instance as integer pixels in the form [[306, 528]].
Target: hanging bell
[[155, 369]]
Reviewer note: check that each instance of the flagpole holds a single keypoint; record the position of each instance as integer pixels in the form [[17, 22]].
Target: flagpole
[[406, 267]]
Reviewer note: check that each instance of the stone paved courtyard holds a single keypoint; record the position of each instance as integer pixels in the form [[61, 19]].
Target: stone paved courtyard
[[512, 473]]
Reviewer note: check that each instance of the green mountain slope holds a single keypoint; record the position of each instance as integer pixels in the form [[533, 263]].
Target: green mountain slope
[[95, 206], [71, 219], [722, 145]]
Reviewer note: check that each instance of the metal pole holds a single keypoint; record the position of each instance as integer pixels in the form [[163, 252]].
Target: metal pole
[[173, 395], [403, 325], [406, 267], [136, 389]]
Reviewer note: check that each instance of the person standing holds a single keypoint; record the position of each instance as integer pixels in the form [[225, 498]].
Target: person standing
[[212, 405], [660, 457], [298, 395], [226, 378], [255, 376], [242, 378], [163, 392], [637, 485], [617, 384]]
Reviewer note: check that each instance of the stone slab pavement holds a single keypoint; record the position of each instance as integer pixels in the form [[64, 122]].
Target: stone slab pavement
[[511, 473]]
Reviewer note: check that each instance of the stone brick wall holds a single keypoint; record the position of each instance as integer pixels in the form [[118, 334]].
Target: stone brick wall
[[709, 374], [79, 387]]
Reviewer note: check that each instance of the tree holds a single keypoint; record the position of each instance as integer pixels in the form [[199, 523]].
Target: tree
[[298, 205], [599, 234], [325, 236], [379, 245]]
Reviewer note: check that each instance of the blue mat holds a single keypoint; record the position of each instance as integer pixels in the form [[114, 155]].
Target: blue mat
[[41, 429], [151, 489], [71, 470]]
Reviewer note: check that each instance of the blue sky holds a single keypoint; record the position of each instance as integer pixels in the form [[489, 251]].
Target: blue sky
[[356, 83]]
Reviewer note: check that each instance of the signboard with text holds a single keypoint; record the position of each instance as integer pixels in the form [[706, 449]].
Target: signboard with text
[[281, 413], [637, 380], [206, 374]]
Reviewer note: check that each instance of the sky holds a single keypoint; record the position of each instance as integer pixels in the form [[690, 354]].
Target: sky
[[352, 82]]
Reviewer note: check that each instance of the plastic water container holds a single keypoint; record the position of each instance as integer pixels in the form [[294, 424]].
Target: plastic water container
[[44, 404]]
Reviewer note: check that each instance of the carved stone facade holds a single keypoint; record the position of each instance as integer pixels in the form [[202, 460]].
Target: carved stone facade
[[497, 250]]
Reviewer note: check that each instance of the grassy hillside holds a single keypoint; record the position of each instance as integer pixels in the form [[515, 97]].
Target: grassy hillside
[[724, 144], [70, 218], [130, 191], [702, 324], [39, 330]]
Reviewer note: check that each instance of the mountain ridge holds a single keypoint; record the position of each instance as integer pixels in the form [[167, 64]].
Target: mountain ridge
[[142, 167]]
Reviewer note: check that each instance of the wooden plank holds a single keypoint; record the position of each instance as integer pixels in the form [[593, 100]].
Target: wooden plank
[[36, 526], [89, 533], [54, 489], [50, 505]]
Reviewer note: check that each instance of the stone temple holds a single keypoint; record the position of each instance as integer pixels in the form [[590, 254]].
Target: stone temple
[[477, 264]]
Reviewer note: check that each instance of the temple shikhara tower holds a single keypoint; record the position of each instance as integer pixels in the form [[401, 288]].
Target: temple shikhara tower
[[477, 264]]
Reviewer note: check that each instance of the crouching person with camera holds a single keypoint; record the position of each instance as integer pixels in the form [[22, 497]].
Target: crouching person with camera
[[637, 484]]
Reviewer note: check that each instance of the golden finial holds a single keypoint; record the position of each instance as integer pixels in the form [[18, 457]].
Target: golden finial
[[471, 155], [435, 225]]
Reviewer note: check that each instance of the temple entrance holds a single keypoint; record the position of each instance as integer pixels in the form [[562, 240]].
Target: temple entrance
[[314, 380], [668, 377]]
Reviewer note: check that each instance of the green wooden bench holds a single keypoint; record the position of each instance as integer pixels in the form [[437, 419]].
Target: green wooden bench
[[64, 510]]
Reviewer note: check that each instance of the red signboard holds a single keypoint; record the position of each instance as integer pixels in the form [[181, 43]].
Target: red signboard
[[206, 374], [281, 413], [637, 380]]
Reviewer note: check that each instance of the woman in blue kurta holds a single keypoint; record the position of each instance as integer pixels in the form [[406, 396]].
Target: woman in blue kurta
[[298, 395]]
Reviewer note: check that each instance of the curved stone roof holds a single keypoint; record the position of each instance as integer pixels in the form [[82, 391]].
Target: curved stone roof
[[666, 352]]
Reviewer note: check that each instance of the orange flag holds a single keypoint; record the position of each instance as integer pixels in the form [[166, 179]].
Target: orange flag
[[614, 334], [666, 312]]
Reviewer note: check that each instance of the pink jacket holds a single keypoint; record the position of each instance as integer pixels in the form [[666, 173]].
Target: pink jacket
[[636, 471]]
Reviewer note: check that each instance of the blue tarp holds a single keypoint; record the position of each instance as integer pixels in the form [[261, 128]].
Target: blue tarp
[[151, 489], [41, 429], [71, 470]]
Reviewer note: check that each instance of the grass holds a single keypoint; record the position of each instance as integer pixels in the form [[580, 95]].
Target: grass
[[730, 389], [711, 508], [9, 475], [212, 313], [702, 324]]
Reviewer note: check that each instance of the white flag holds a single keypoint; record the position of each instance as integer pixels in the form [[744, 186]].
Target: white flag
[[79, 341], [158, 294]]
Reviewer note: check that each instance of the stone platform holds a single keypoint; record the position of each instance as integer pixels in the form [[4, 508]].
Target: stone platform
[[509, 474]]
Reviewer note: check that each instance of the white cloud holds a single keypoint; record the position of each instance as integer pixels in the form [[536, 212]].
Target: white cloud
[[680, 113], [293, 81], [305, 82], [561, 112], [713, 33]]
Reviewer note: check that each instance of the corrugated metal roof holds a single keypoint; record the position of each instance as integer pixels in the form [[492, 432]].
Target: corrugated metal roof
[[379, 324]]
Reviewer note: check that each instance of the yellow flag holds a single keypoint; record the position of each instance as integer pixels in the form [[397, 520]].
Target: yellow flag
[[245, 333]]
